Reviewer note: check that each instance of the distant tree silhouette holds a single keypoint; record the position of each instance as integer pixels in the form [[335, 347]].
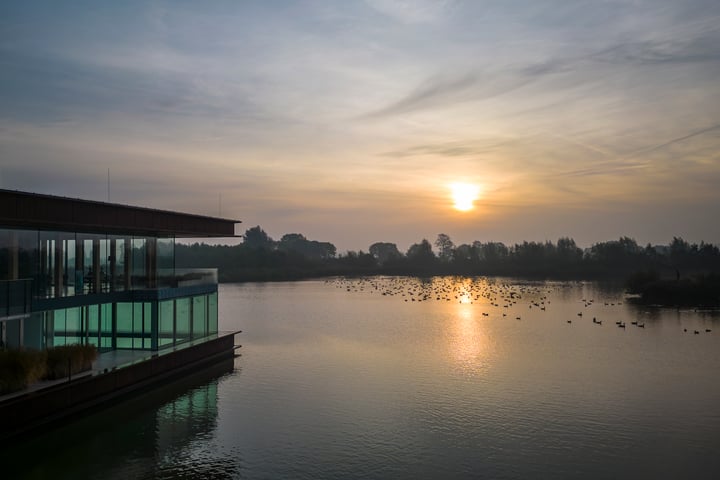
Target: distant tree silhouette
[[568, 251], [421, 254], [445, 246], [256, 237], [294, 256], [491, 252], [358, 260], [384, 251], [465, 254], [296, 242]]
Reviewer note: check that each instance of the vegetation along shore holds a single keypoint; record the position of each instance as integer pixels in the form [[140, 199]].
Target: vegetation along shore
[[679, 273]]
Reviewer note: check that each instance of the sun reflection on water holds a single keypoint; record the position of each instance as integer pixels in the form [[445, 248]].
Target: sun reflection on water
[[467, 340]]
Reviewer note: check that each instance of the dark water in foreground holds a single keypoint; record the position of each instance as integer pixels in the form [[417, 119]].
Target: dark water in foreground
[[444, 379]]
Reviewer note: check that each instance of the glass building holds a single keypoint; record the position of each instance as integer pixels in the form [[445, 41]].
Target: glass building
[[76, 271]]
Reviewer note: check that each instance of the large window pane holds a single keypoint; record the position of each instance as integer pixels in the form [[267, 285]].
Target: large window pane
[[166, 261], [59, 327], [33, 331], [116, 263], [73, 325], [12, 332], [125, 322], [213, 313], [139, 275], [18, 254], [69, 275], [93, 324], [182, 319], [199, 320], [106, 321], [166, 320], [137, 327], [147, 317]]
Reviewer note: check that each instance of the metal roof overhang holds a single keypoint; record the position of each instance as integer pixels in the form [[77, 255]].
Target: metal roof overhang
[[48, 212]]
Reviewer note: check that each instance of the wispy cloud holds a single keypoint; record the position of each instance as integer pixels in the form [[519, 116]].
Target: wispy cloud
[[447, 90], [412, 11], [668, 143], [301, 111], [637, 159], [450, 149], [702, 49]]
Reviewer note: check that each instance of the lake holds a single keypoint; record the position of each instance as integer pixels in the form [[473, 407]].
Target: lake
[[408, 378]]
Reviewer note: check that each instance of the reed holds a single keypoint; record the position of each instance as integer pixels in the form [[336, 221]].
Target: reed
[[68, 360], [20, 368]]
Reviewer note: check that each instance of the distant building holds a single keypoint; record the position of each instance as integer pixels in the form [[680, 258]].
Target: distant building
[[78, 271]]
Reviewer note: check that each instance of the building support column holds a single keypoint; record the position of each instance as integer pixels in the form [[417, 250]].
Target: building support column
[[43, 277], [59, 264], [151, 261], [113, 313], [96, 265], [112, 260], [79, 267], [154, 324], [49, 319], [127, 273], [13, 255]]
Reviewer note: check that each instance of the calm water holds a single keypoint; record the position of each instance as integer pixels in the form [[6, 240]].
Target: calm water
[[448, 378]]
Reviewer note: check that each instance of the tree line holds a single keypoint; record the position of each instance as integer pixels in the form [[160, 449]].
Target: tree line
[[261, 258]]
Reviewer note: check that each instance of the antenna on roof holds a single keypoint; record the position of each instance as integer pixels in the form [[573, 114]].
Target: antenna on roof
[[219, 204], [108, 186]]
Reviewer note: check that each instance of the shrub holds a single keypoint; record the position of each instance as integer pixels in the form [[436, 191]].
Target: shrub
[[20, 368], [77, 358], [89, 354]]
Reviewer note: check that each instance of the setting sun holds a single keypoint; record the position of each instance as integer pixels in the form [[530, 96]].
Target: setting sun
[[463, 195]]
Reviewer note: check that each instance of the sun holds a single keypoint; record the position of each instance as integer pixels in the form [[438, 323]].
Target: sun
[[463, 195]]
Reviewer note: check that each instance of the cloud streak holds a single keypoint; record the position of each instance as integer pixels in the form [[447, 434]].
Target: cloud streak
[[300, 112]]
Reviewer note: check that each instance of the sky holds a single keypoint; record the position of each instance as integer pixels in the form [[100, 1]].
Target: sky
[[347, 121]]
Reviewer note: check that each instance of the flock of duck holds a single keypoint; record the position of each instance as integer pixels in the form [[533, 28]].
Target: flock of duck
[[487, 292]]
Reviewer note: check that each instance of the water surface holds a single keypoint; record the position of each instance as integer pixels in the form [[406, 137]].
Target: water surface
[[405, 378]]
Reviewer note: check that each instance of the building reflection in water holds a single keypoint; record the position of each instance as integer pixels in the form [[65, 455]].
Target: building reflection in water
[[147, 436]]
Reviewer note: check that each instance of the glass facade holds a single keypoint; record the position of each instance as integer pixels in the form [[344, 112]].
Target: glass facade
[[121, 325], [64, 263], [99, 275]]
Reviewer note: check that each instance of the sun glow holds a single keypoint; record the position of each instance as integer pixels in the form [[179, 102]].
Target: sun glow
[[463, 195]]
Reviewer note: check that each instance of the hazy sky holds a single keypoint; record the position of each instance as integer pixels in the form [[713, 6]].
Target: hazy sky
[[347, 120]]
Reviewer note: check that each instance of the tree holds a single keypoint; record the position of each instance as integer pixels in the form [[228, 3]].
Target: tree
[[491, 252], [568, 251], [312, 249], [421, 253], [256, 237], [465, 254], [358, 259], [446, 246], [384, 251]]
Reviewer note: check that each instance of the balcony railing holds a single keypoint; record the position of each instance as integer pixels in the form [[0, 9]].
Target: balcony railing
[[185, 277], [85, 284]]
